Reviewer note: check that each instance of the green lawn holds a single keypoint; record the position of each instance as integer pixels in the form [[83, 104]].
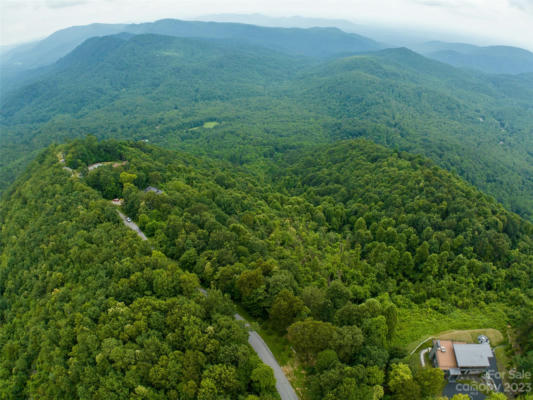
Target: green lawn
[[471, 335], [416, 325]]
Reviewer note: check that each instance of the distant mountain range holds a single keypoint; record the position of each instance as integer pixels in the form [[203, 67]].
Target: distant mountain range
[[450, 48], [164, 89], [391, 35], [310, 37], [490, 59], [316, 42]]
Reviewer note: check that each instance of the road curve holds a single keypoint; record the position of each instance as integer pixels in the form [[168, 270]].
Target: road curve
[[422, 354], [284, 388]]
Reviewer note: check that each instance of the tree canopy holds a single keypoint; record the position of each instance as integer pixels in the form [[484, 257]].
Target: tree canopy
[[329, 247]]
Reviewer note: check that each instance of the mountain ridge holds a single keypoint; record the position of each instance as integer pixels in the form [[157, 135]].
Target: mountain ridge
[[308, 41], [159, 87], [493, 59]]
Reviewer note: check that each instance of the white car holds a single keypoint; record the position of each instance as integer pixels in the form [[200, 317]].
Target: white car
[[128, 219]]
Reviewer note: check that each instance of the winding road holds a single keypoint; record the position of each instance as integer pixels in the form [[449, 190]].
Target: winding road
[[284, 388]]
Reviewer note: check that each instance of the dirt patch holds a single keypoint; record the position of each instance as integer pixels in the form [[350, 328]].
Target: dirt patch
[[296, 376], [114, 164]]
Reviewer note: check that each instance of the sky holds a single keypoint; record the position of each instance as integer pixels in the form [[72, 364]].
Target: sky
[[507, 22]]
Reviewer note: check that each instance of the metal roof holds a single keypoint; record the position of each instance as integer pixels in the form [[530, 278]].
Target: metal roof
[[153, 189], [472, 355]]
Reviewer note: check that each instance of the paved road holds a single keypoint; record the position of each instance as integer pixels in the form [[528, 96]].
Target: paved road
[[422, 354], [132, 225], [495, 375], [283, 386]]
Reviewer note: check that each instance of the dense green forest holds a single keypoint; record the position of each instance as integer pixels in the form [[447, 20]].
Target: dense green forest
[[89, 311], [332, 249], [164, 89]]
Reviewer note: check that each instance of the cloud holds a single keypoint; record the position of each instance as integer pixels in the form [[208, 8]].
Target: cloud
[[12, 4], [52, 4], [466, 8], [524, 5], [64, 3], [433, 3], [445, 3], [486, 21]]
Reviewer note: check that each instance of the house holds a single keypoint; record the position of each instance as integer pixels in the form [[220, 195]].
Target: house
[[153, 189], [459, 358]]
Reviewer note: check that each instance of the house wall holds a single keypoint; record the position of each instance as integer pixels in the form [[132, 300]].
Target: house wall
[[473, 371]]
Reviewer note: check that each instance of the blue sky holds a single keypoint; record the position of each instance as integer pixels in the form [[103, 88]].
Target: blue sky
[[499, 21]]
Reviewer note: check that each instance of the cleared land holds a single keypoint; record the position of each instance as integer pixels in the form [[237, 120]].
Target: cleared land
[[206, 125], [418, 325], [470, 336]]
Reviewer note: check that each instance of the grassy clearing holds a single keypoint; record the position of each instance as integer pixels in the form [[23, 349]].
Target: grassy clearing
[[417, 325], [469, 336], [206, 125], [210, 125]]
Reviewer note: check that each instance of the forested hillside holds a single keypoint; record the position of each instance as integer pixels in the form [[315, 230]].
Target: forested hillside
[[115, 87], [464, 122], [339, 249], [249, 104], [88, 311]]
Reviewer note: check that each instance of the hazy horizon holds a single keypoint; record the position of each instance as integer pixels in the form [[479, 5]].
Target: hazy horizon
[[495, 22]]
